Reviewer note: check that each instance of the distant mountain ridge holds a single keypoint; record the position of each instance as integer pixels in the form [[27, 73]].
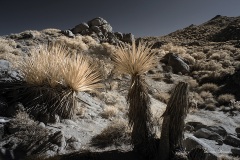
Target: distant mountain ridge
[[218, 29]]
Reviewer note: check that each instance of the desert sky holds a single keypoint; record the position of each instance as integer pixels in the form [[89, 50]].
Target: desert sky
[[140, 17]]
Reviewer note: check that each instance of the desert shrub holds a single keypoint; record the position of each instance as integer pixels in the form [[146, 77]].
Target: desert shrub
[[73, 43], [162, 96], [51, 31], [116, 133], [190, 60], [27, 129], [225, 99], [192, 83], [211, 87], [206, 94], [198, 55], [175, 49], [51, 79], [236, 64], [210, 107], [226, 63], [195, 99], [213, 66], [109, 112]]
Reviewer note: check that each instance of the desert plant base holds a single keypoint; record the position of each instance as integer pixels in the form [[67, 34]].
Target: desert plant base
[[140, 117], [175, 114], [41, 99]]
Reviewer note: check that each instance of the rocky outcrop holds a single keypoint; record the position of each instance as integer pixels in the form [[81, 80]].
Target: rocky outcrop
[[218, 29], [102, 31]]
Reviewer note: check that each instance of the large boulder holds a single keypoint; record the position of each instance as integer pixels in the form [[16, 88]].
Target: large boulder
[[177, 63], [97, 22], [128, 38], [80, 28]]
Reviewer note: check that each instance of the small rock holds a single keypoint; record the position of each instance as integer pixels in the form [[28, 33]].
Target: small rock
[[232, 140], [54, 147], [129, 37], [207, 134], [106, 28], [54, 118], [217, 129], [237, 130], [68, 33], [41, 124], [192, 142], [80, 28], [97, 22], [189, 128], [219, 142], [196, 125], [73, 139], [75, 145], [235, 151], [96, 29], [68, 122], [119, 35]]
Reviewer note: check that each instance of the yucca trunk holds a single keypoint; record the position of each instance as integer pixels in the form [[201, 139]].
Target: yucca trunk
[[173, 122], [140, 117]]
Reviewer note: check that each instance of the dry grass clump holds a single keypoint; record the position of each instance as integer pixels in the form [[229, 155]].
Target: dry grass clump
[[162, 96], [212, 65], [225, 99], [116, 133], [193, 84], [211, 87], [27, 129], [51, 79], [206, 94], [188, 58], [175, 49], [73, 43], [109, 112], [219, 55], [51, 31], [199, 55], [195, 100]]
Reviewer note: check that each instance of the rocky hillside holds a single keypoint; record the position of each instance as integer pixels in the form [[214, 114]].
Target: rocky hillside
[[207, 57]]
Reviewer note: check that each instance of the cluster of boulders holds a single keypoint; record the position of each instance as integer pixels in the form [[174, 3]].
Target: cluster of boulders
[[100, 30], [214, 133]]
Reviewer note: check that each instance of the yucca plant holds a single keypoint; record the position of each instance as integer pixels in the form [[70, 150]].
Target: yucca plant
[[173, 122], [51, 79], [135, 61]]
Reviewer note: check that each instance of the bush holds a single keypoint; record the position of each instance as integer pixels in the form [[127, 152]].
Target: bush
[[116, 134], [109, 112], [51, 79], [225, 99], [211, 87]]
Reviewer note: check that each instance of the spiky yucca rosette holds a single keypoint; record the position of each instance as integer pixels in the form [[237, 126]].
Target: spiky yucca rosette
[[51, 79], [135, 61]]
